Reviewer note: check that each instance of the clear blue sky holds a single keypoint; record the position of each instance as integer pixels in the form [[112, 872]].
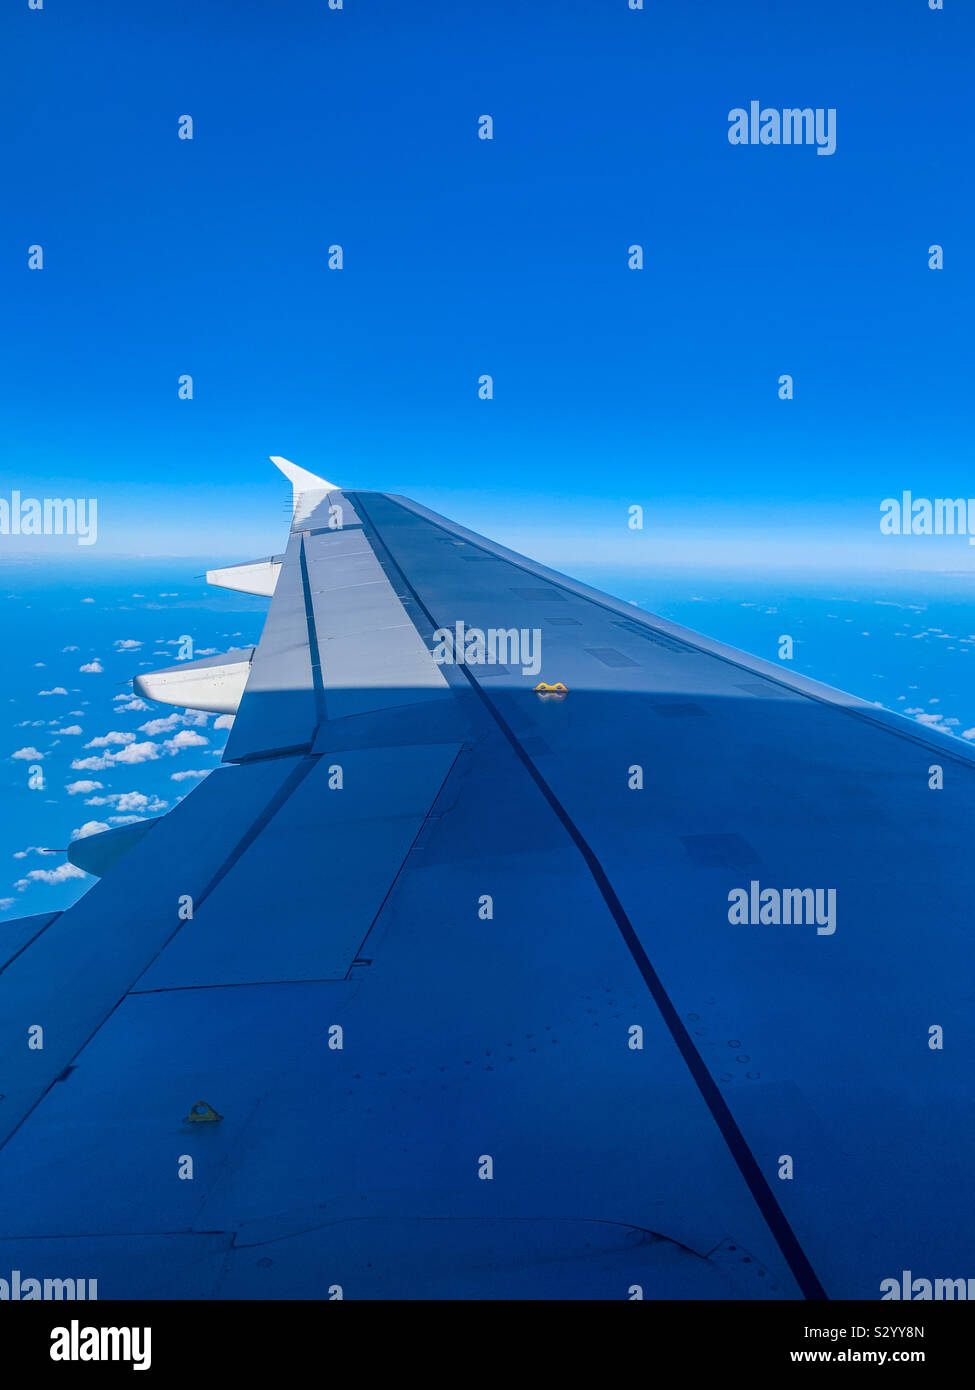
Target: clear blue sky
[[463, 256]]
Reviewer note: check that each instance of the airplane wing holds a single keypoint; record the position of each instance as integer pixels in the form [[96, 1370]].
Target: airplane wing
[[655, 983]]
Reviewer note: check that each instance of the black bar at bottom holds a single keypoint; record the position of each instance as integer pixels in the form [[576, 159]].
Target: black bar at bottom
[[284, 1339]]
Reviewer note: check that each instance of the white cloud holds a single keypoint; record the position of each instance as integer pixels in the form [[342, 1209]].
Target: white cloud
[[127, 644], [198, 772], [69, 649], [161, 726], [93, 668], [29, 754], [58, 690], [191, 719], [83, 788], [131, 702], [132, 753], [112, 737], [71, 729], [186, 738], [87, 600], [224, 721], [33, 849], [139, 801], [90, 827], [5, 903], [130, 801], [58, 875], [136, 753]]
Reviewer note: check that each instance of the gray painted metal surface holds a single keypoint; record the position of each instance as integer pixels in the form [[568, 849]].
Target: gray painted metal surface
[[333, 852], [278, 709]]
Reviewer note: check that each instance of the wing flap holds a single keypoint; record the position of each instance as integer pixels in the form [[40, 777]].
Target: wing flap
[[301, 899]]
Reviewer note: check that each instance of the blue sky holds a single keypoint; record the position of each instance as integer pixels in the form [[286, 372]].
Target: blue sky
[[462, 256]]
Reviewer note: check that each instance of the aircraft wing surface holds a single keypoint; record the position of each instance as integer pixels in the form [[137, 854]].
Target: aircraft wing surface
[[444, 986]]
